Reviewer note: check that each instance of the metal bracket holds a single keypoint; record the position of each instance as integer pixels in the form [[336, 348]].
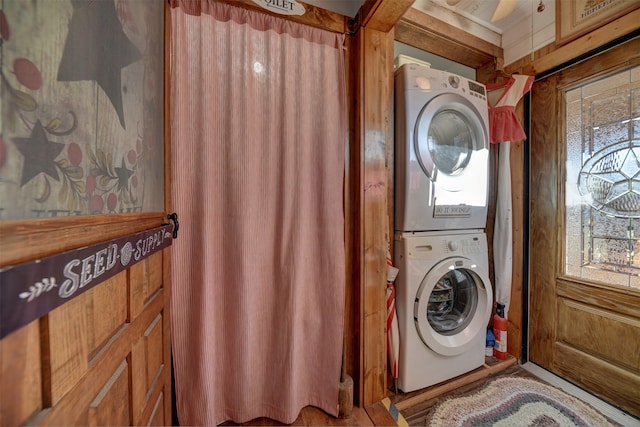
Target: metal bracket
[[353, 25], [174, 217]]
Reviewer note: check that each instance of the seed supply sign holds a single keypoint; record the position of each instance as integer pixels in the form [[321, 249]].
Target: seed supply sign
[[31, 290]]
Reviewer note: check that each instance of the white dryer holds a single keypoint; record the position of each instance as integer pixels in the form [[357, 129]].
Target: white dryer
[[443, 303], [441, 151]]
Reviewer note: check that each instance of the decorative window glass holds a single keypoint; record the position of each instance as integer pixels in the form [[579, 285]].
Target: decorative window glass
[[81, 129], [602, 189]]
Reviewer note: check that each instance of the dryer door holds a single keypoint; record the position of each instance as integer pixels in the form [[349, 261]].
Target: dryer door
[[449, 134], [452, 306]]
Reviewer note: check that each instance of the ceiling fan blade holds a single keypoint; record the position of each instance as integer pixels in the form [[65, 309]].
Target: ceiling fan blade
[[505, 7], [453, 2]]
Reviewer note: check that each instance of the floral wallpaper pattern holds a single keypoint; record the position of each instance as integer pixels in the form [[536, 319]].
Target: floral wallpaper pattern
[[82, 107]]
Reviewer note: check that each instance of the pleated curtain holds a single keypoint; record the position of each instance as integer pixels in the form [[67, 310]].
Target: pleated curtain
[[258, 129]]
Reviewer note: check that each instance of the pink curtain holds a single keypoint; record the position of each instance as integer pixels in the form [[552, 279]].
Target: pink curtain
[[258, 271]]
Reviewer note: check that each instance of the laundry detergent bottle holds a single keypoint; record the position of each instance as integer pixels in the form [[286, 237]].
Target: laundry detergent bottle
[[500, 333]]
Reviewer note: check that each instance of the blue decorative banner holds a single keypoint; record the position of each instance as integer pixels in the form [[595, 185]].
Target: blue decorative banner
[[31, 290]]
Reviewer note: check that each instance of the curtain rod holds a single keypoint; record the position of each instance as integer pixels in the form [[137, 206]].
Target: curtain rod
[[353, 24]]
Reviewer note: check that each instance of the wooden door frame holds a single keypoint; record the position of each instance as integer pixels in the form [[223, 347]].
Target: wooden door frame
[[548, 274], [551, 289], [20, 351]]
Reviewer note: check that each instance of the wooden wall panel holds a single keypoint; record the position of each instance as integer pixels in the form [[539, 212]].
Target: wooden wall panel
[[595, 376], [543, 219], [153, 342], [139, 387], [21, 394], [146, 277], [88, 363], [157, 417], [78, 330], [107, 311], [375, 109], [154, 275], [352, 208], [111, 405], [66, 353], [624, 301], [599, 332]]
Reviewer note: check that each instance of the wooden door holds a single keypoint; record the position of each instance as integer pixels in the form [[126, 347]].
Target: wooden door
[[583, 327], [103, 357]]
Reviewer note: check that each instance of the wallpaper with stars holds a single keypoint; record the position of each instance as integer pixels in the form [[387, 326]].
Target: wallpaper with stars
[[82, 107]]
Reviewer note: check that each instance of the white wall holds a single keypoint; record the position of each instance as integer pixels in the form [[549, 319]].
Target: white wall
[[517, 41], [437, 62]]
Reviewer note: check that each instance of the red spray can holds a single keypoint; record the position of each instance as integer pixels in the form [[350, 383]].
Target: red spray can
[[500, 332]]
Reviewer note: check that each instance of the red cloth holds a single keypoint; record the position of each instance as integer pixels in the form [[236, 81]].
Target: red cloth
[[503, 122]]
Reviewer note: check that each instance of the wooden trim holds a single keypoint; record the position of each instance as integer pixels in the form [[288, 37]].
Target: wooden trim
[[621, 300], [425, 32], [374, 82], [352, 203], [379, 415], [167, 110], [543, 219], [382, 15], [30, 226], [166, 326], [32, 239], [593, 375]]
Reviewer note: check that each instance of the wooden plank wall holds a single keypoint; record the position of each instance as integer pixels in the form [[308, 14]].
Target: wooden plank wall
[[371, 80], [378, 84], [102, 358]]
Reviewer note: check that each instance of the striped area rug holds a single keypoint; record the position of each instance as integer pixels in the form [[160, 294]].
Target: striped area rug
[[513, 401]]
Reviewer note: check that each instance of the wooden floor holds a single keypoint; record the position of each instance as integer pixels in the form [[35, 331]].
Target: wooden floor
[[409, 403], [311, 416]]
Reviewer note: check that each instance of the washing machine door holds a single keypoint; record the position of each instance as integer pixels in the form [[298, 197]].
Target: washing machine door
[[452, 306], [448, 139]]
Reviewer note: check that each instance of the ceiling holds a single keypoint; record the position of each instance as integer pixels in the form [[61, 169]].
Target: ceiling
[[480, 11]]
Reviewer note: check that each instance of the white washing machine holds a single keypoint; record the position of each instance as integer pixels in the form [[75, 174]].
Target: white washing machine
[[443, 303], [441, 151]]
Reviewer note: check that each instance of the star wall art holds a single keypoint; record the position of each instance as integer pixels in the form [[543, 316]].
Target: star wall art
[[97, 49], [82, 123]]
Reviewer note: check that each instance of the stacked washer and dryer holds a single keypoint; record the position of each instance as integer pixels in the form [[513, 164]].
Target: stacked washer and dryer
[[443, 294]]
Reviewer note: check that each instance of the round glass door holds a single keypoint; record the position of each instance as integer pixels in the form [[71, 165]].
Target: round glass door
[[453, 306], [448, 131], [452, 302], [450, 142]]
